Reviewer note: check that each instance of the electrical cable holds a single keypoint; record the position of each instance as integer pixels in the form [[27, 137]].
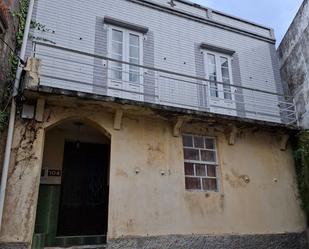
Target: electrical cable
[[21, 62], [20, 59]]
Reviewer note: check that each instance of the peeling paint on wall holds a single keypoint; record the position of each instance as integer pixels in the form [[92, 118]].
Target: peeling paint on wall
[[143, 200]]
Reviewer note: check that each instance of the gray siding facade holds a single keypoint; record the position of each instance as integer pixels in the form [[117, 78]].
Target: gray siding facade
[[170, 44]]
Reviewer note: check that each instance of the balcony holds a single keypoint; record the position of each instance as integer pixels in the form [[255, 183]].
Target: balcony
[[69, 69]]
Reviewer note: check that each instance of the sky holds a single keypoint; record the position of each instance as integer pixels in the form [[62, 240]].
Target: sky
[[277, 14]]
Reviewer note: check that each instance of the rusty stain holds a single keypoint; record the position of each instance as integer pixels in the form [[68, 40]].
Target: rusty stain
[[195, 205], [23, 151], [236, 180], [156, 214], [120, 172], [135, 119], [222, 202], [155, 153], [245, 178], [130, 225]]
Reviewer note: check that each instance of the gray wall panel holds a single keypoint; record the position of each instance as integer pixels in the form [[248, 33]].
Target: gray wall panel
[[149, 75], [200, 72], [237, 81], [100, 48], [170, 37]]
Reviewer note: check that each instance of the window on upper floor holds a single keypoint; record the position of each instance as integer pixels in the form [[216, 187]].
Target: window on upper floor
[[125, 45], [218, 69], [200, 162]]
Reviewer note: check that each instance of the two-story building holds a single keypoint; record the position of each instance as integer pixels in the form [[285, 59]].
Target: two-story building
[[151, 124]]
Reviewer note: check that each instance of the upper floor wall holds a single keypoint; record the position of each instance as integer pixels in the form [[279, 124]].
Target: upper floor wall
[[186, 39]]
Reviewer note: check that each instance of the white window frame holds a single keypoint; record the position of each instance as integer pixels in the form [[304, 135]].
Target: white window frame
[[125, 84], [220, 87], [216, 163]]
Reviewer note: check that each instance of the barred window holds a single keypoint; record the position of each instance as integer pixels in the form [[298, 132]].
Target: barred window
[[201, 164]]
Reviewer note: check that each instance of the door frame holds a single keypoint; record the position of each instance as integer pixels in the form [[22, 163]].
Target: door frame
[[108, 148], [220, 104], [124, 84]]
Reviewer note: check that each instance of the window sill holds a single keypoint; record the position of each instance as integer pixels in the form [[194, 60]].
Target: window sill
[[203, 191]]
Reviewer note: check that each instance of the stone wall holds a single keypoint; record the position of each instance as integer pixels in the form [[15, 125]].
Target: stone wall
[[271, 241], [13, 246], [294, 59], [9, 37], [5, 67]]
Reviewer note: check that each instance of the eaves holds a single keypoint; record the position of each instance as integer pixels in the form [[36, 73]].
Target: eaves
[[208, 21]]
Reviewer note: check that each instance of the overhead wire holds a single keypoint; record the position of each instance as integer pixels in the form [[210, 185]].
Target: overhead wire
[[22, 62], [15, 54]]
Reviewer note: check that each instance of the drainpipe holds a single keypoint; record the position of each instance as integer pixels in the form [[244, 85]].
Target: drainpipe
[[9, 140]]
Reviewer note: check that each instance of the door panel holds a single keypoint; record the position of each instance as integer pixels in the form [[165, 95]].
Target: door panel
[[218, 69], [84, 190], [126, 46]]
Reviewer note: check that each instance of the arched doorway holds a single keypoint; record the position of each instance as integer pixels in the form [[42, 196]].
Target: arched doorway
[[73, 197]]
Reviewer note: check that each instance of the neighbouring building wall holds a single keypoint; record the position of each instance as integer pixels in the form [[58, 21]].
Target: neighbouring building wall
[[7, 8], [294, 62], [8, 27], [154, 202]]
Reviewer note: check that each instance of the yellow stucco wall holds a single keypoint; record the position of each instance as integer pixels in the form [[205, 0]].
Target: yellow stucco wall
[[149, 203]]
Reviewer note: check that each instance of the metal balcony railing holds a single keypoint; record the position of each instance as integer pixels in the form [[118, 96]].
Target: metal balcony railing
[[70, 69]]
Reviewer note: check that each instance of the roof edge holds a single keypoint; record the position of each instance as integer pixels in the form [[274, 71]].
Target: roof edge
[[196, 5], [192, 16]]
